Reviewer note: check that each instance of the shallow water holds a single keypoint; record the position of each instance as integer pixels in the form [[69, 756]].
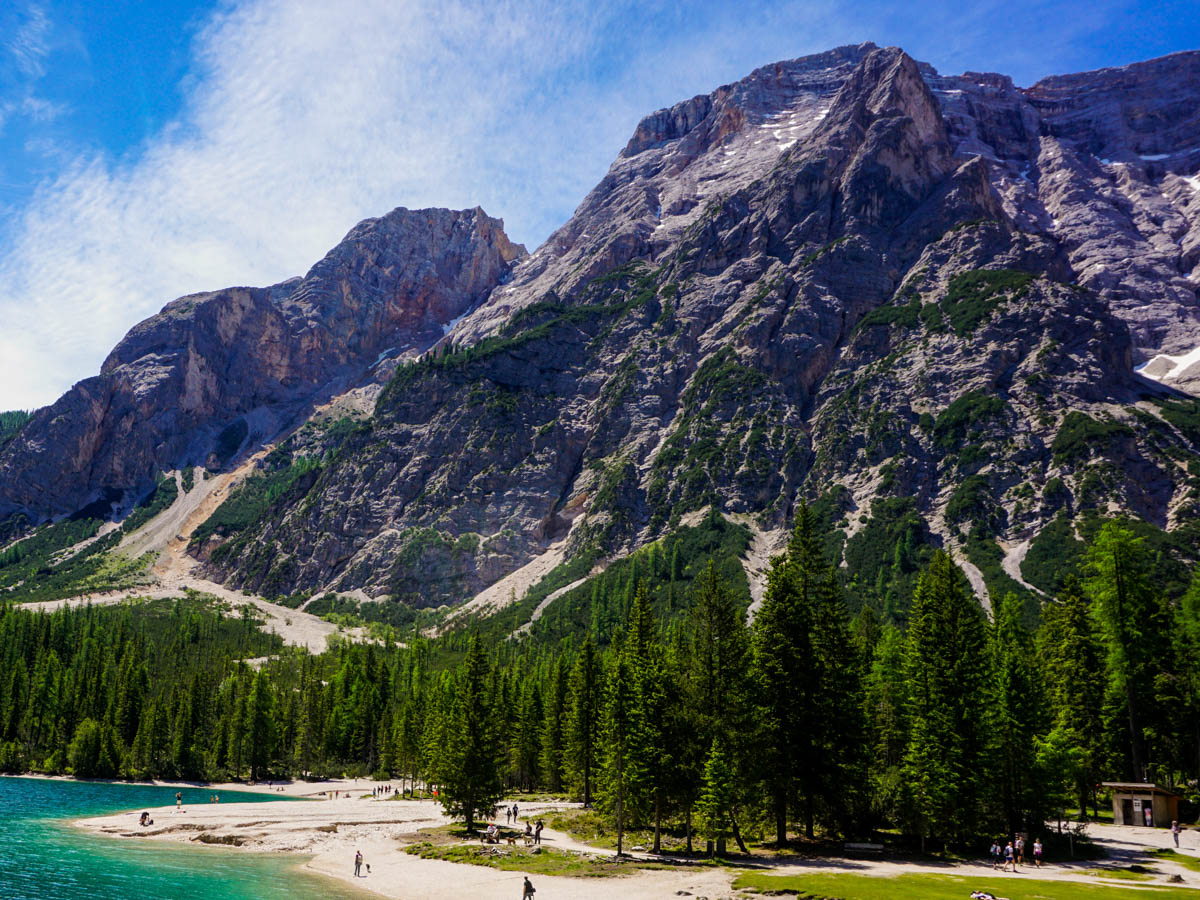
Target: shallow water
[[42, 857]]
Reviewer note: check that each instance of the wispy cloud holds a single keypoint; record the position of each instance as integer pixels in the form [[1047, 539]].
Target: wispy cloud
[[301, 119], [30, 42]]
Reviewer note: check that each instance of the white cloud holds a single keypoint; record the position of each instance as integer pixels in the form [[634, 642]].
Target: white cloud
[[302, 118], [30, 42]]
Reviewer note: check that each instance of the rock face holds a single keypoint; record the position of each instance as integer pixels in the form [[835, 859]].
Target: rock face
[[844, 278], [219, 372], [915, 300]]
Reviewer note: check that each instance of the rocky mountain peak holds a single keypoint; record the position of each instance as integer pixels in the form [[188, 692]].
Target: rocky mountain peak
[[216, 373]]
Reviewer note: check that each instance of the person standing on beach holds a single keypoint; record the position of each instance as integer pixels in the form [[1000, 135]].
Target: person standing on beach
[[178, 801], [1175, 832], [358, 860]]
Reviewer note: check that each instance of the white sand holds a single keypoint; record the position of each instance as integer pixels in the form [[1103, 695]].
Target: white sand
[[331, 831]]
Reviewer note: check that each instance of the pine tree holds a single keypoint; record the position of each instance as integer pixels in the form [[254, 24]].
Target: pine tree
[[1072, 659], [553, 743], [1016, 717], [714, 804], [470, 768], [809, 690], [260, 728], [1133, 623], [583, 723], [618, 733], [947, 671]]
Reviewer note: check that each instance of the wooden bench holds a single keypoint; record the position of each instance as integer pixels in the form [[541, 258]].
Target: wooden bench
[[858, 847]]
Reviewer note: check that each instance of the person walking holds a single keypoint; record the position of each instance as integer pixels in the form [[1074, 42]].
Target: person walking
[[1175, 832], [358, 861], [1037, 853], [995, 853], [1009, 857], [528, 890], [1020, 847], [508, 815]]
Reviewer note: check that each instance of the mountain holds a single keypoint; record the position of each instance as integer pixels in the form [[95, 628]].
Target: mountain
[[916, 301], [214, 372]]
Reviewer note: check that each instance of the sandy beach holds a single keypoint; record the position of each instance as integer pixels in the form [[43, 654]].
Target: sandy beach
[[330, 830]]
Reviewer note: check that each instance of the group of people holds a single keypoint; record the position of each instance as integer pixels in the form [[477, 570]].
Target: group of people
[[1013, 854], [382, 791], [215, 798]]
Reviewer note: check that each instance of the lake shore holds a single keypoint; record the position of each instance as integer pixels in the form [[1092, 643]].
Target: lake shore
[[329, 831]]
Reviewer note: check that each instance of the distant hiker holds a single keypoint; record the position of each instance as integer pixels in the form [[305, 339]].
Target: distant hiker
[[1009, 857], [995, 853], [507, 815], [1020, 850], [1175, 831], [527, 893], [516, 813], [537, 832], [358, 861], [1037, 853], [178, 801]]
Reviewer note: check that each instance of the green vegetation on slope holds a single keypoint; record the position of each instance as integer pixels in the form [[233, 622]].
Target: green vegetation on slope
[[971, 297], [11, 423]]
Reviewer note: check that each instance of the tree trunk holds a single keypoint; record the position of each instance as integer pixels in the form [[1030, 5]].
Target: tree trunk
[[737, 834], [808, 817], [657, 824], [620, 825], [1135, 736], [688, 828], [781, 819]]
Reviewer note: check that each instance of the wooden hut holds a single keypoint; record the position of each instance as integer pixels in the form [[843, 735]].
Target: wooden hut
[[1137, 803]]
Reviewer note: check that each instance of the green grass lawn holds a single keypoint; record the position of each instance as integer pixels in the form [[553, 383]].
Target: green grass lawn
[[945, 887], [1183, 859], [520, 859]]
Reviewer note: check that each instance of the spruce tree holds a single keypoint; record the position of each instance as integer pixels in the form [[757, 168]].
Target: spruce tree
[[584, 721], [1072, 659], [1016, 714], [1133, 624], [470, 770], [714, 803], [946, 664]]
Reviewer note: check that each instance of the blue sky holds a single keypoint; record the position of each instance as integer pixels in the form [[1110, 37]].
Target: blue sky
[[149, 150]]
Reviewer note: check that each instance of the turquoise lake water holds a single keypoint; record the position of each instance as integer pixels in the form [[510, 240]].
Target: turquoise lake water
[[42, 857]]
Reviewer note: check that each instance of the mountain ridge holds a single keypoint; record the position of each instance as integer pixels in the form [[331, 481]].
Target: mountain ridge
[[908, 297]]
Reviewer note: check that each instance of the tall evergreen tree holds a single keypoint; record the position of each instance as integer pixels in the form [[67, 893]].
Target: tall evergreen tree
[[1072, 659], [584, 721], [946, 665], [470, 769], [1133, 623]]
